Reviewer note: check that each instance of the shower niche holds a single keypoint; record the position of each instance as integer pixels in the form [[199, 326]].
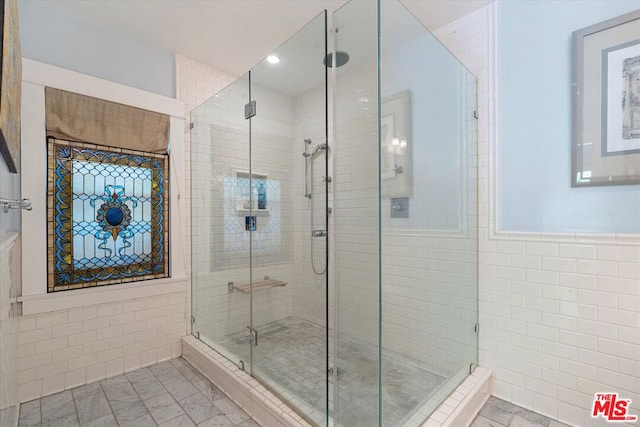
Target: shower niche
[[376, 325], [251, 193]]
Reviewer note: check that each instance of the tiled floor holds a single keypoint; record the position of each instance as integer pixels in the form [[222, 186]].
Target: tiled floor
[[170, 394], [174, 394], [499, 413], [291, 358]]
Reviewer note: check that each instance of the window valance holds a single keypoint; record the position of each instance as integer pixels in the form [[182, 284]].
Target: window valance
[[76, 117]]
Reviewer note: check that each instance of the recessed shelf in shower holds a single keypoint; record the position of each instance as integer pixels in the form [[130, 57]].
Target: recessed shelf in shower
[[251, 193]]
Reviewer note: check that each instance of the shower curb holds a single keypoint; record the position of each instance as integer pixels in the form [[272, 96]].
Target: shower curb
[[261, 404], [461, 407]]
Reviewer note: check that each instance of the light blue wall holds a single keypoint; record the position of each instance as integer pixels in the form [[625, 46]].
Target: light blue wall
[[58, 39], [438, 84], [534, 163]]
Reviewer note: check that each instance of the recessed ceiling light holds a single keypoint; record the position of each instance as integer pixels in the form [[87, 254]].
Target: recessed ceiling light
[[273, 59]]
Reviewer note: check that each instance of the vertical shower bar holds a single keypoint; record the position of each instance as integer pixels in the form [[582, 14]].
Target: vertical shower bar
[[307, 158]]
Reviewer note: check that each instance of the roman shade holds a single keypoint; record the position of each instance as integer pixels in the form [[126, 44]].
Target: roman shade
[[75, 117]]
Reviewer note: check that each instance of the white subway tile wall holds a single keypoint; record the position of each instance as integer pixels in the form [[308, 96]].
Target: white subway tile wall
[[65, 349], [279, 156], [9, 278], [195, 83], [559, 316], [220, 151]]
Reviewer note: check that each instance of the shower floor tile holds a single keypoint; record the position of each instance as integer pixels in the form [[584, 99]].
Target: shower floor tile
[[168, 394], [290, 358]]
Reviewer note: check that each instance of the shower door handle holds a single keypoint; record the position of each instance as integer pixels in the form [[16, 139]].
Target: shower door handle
[[319, 233]]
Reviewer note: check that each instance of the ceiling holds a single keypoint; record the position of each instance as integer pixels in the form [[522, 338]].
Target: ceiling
[[232, 35]]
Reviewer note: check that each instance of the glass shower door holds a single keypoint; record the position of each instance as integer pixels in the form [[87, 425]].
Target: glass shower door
[[221, 200], [289, 244]]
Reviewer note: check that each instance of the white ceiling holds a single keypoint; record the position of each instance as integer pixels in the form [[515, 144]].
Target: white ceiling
[[232, 35]]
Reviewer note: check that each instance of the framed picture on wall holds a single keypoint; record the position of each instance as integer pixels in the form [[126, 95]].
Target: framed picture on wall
[[606, 103]]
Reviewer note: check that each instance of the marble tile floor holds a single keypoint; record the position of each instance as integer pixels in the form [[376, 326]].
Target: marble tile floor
[[174, 394], [500, 413], [170, 394], [291, 358]]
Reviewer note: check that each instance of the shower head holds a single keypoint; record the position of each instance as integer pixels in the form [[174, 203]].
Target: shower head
[[341, 59]]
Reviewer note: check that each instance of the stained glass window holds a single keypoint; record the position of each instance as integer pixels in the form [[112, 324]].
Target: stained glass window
[[108, 215]]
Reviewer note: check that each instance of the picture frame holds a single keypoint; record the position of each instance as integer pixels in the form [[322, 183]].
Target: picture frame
[[10, 85], [606, 103], [395, 150]]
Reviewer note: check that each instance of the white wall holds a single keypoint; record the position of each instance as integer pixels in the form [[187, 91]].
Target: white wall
[[9, 281], [559, 316], [9, 288], [74, 337], [55, 38], [9, 189]]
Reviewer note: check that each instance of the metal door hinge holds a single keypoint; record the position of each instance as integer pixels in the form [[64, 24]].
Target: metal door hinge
[[241, 364], [193, 320], [472, 366], [253, 336], [197, 334], [250, 110], [475, 114], [476, 328], [191, 125]]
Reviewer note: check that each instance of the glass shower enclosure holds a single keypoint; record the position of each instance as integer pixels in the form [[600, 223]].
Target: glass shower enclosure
[[334, 243], [405, 218], [259, 221]]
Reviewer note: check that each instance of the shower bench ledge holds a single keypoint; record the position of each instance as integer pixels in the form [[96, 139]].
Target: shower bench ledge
[[258, 285]]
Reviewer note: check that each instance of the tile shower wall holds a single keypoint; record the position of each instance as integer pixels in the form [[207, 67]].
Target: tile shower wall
[[309, 293], [195, 83], [219, 150], [425, 272], [559, 316]]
